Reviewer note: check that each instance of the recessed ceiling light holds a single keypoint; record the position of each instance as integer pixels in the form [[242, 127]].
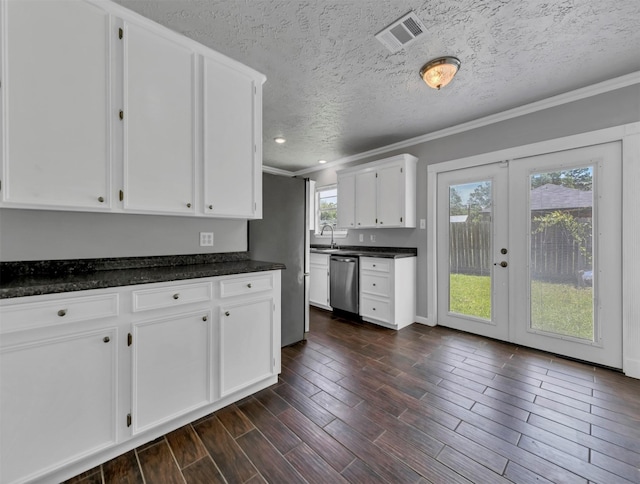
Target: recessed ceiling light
[[322, 162], [279, 140]]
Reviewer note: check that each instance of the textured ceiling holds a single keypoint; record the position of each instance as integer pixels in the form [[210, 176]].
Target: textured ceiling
[[333, 90]]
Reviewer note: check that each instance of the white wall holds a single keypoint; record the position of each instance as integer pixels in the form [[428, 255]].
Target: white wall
[[44, 235], [605, 110]]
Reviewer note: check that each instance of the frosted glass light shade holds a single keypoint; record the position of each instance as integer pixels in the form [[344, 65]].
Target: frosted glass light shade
[[439, 72]]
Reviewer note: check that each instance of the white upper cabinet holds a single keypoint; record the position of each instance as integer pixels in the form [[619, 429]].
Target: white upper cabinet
[[347, 201], [159, 122], [105, 110], [383, 193], [366, 199], [232, 160], [55, 99]]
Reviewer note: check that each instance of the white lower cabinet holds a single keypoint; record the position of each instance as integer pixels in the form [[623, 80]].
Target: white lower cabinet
[[171, 370], [388, 291], [144, 361], [244, 358], [57, 400], [319, 281]]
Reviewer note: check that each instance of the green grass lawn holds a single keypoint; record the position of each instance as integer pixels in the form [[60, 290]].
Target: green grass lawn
[[558, 308]]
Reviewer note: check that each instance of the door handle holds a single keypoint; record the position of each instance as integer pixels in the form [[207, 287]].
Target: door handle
[[504, 263]]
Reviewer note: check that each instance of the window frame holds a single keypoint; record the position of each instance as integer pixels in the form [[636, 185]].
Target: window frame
[[337, 233]]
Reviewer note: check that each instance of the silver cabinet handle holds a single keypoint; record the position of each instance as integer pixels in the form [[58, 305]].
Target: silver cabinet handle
[[227, 313], [176, 295], [101, 199], [210, 207], [188, 205], [249, 285], [204, 318], [62, 312], [106, 339]]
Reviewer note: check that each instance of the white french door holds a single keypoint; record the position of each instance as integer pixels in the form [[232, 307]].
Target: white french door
[[530, 252]]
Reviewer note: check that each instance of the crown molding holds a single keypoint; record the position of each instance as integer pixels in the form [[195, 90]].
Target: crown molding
[[558, 100], [277, 171]]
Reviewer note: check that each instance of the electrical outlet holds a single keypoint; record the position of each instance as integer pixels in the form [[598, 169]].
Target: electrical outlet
[[206, 239], [361, 237], [423, 223], [372, 238]]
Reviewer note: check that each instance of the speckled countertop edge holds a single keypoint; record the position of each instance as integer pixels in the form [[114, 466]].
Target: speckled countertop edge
[[32, 278], [366, 251]]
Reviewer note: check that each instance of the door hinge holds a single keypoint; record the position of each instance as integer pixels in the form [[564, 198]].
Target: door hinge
[[121, 114], [401, 170], [121, 195], [376, 175], [120, 33], [128, 420], [376, 220], [129, 339], [400, 219], [0, 185]]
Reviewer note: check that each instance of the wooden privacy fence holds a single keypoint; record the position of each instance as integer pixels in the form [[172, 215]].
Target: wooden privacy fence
[[555, 256]]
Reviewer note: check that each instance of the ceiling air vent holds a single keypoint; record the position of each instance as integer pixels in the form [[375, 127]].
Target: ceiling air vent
[[401, 32]]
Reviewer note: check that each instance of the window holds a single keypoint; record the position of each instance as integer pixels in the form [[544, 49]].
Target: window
[[327, 206], [327, 210]]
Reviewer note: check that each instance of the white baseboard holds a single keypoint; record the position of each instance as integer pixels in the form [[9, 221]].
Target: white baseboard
[[425, 321], [631, 367]]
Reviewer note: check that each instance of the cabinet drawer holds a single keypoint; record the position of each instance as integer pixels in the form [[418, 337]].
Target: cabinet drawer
[[246, 285], [318, 259], [164, 297], [59, 311], [375, 308], [375, 264], [377, 284]]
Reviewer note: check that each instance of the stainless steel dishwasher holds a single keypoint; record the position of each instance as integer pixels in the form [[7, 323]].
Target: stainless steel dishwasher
[[343, 283]]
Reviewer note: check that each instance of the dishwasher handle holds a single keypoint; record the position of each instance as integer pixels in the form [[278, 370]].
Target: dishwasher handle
[[343, 259]]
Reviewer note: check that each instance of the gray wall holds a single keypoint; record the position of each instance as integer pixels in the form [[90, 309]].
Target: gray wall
[[613, 108], [43, 234]]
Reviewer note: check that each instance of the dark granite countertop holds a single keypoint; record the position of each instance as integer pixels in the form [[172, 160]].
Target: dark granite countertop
[[364, 251], [31, 278]]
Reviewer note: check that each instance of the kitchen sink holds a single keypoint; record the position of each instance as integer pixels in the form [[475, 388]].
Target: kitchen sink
[[328, 251]]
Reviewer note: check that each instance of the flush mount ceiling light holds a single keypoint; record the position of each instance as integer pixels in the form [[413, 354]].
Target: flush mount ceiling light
[[322, 162], [279, 140], [439, 72]]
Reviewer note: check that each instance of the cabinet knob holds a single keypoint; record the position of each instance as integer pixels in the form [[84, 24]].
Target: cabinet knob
[[176, 295], [101, 199], [188, 205], [62, 312], [227, 313], [374, 284], [249, 285], [204, 318], [374, 309], [210, 207], [381, 222], [106, 339], [374, 265]]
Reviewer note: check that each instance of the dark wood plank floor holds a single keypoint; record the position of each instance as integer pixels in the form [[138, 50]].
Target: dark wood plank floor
[[363, 404]]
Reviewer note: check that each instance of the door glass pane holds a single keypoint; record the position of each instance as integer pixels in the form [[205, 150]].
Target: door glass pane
[[561, 274], [470, 233]]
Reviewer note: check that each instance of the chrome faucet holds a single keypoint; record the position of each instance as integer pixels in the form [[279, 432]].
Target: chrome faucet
[[333, 244]]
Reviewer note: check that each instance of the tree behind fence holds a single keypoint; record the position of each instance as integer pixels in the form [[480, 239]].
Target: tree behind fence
[[554, 256]]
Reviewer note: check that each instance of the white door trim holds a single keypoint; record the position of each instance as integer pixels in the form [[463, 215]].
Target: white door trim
[[629, 135]]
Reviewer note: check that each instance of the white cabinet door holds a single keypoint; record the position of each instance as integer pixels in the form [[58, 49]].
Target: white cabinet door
[[319, 285], [232, 138], [55, 88], [159, 122], [347, 201], [390, 202], [57, 401], [246, 343], [171, 368], [366, 199]]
